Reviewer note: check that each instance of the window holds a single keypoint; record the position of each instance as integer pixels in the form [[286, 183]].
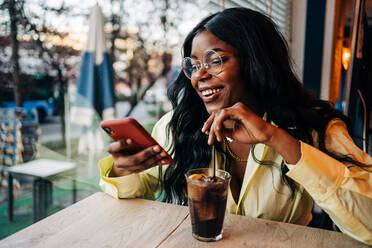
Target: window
[[278, 10]]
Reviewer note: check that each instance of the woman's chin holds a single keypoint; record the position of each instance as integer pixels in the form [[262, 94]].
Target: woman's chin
[[213, 107]]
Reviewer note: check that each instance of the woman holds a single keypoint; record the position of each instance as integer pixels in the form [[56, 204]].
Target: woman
[[283, 148]]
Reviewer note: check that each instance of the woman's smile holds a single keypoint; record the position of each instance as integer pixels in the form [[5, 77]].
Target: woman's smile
[[210, 94]]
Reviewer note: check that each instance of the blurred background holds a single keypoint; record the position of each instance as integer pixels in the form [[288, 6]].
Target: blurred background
[[66, 65]]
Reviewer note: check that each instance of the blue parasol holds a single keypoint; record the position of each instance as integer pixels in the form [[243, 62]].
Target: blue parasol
[[95, 90]]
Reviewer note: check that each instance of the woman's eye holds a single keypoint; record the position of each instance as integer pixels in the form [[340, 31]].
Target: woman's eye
[[216, 61], [224, 59]]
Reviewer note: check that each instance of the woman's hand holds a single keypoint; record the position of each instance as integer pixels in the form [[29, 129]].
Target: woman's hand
[[239, 123], [126, 163]]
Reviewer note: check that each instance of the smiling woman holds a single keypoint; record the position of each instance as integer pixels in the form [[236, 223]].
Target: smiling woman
[[283, 147], [214, 84]]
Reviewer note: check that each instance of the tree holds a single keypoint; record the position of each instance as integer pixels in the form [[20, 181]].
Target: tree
[[53, 55], [161, 17], [38, 30], [138, 70], [14, 7]]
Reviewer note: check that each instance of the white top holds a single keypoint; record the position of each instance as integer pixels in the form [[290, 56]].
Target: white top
[[42, 167]]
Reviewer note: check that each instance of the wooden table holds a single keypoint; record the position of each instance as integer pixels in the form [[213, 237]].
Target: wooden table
[[102, 221]]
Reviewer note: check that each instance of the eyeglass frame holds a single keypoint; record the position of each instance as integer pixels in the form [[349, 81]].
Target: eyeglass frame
[[202, 64]]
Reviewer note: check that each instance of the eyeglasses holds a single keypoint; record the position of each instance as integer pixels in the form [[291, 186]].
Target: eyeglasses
[[211, 62]]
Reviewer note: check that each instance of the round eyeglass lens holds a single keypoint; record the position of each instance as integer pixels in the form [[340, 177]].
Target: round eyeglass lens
[[212, 63], [188, 66]]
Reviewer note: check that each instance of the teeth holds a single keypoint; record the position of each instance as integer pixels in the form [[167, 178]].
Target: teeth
[[210, 91]]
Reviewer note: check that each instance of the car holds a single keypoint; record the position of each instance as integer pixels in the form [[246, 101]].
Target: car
[[37, 93], [43, 108]]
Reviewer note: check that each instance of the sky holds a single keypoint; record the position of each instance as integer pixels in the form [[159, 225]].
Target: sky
[[77, 22]]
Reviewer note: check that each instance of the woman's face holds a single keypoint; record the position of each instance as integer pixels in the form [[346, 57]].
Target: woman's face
[[225, 88]]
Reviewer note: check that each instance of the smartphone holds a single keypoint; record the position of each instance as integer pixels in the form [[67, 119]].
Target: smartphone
[[130, 128]]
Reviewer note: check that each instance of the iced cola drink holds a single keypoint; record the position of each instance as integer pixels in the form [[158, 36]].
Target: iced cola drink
[[207, 202]]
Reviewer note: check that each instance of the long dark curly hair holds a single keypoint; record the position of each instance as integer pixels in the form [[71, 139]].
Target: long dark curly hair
[[266, 69]]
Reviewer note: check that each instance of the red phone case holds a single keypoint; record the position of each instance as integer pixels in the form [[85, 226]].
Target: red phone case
[[130, 128]]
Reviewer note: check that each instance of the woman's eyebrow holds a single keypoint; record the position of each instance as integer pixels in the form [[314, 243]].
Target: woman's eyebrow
[[217, 49]]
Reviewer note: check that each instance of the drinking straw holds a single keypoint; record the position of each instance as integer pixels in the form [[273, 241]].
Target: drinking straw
[[214, 162]]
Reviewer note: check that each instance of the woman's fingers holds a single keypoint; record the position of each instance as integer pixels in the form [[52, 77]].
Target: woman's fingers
[[120, 145], [144, 155], [126, 162], [227, 133], [211, 136], [141, 160], [221, 123], [137, 158], [237, 122], [208, 128], [208, 123], [150, 162]]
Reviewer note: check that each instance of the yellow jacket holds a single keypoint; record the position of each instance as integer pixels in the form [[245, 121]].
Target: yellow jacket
[[345, 193]]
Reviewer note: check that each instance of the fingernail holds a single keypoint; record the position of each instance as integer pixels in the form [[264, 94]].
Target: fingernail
[[163, 154], [156, 149], [129, 141], [163, 161]]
